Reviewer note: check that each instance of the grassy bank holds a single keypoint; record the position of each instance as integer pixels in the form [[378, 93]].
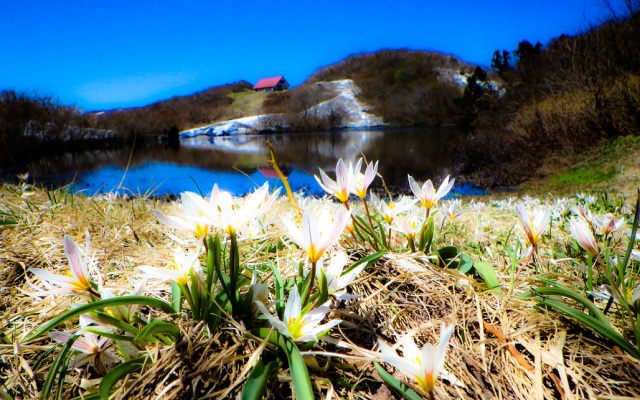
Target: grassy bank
[[611, 167], [476, 274]]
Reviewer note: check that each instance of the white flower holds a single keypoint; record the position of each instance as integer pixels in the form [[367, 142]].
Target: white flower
[[453, 209], [79, 279], [192, 218], [231, 215], [317, 235], [422, 365], [583, 212], [393, 208], [478, 206], [534, 225], [590, 199], [427, 193], [181, 266], [582, 234], [93, 349], [344, 183], [607, 224], [300, 327], [362, 181], [409, 226], [335, 280]]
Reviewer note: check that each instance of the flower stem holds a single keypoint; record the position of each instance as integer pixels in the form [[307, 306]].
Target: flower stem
[[366, 209], [413, 246], [311, 282], [233, 258], [284, 180]]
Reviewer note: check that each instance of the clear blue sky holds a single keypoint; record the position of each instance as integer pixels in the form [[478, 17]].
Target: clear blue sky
[[113, 53]]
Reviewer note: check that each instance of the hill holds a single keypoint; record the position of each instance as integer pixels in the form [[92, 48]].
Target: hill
[[177, 113], [573, 94], [404, 87]]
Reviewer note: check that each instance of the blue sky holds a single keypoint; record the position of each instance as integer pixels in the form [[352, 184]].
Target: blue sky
[[110, 54]]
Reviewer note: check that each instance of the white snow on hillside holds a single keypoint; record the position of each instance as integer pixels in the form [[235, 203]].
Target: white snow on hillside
[[451, 75], [239, 126], [357, 115]]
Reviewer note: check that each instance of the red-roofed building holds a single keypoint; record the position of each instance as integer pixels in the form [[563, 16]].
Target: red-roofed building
[[272, 84]]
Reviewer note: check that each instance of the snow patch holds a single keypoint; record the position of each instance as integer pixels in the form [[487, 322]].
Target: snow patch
[[451, 75], [239, 126], [357, 114]]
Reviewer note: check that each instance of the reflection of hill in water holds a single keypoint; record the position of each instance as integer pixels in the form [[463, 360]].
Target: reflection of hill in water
[[419, 152]]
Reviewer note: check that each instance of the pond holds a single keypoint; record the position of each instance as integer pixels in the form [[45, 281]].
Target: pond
[[239, 163]]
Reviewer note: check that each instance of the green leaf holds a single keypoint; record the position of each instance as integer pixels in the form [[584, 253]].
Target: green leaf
[[61, 377], [279, 288], [383, 236], [109, 335], [304, 287], [58, 364], [396, 385], [213, 260], [257, 381], [370, 259], [196, 183], [223, 282], [8, 222], [561, 290], [5, 396], [369, 231], [176, 297], [117, 373], [196, 312], [595, 324], [42, 357], [99, 305], [426, 235], [108, 319], [147, 334], [487, 273], [634, 229], [297, 368], [446, 254], [466, 264], [324, 288]]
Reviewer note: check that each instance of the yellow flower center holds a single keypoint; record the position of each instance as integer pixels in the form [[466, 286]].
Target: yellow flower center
[[343, 196], [295, 326], [313, 253]]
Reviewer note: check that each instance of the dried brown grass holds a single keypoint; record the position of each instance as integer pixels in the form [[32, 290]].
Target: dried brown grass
[[502, 347]]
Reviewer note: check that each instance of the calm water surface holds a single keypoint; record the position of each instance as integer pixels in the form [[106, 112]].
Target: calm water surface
[[238, 163]]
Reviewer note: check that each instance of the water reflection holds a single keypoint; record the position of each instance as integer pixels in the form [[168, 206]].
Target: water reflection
[[238, 163], [159, 179]]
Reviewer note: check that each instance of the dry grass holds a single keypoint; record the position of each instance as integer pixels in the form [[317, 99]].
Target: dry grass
[[249, 102], [502, 347]]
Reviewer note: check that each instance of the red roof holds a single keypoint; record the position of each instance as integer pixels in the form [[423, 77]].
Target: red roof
[[267, 83]]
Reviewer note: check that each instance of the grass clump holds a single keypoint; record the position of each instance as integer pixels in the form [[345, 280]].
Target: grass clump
[[584, 176]]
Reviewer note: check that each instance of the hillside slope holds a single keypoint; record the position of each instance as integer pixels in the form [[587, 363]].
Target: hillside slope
[[352, 114], [404, 87]]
